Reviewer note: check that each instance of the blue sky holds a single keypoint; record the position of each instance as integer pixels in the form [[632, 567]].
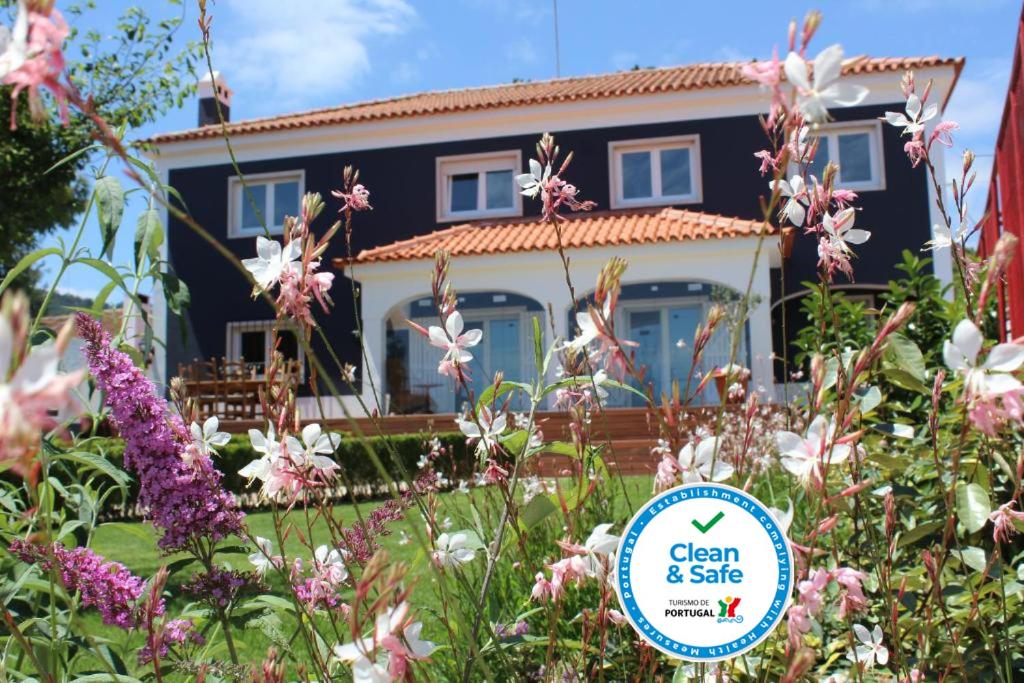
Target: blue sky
[[281, 57]]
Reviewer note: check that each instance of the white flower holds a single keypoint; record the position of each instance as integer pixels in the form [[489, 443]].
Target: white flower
[[403, 538], [600, 541], [315, 448], [696, 462], [463, 486], [943, 238], [270, 449], [840, 230], [871, 649], [804, 456], [991, 377], [14, 42], [814, 98], [493, 427], [454, 342], [914, 119], [588, 328], [450, 550], [784, 519], [369, 666], [796, 192], [264, 558], [207, 438], [329, 563], [447, 523], [532, 182], [271, 261]]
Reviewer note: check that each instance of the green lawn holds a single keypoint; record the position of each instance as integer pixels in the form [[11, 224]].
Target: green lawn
[[134, 545]]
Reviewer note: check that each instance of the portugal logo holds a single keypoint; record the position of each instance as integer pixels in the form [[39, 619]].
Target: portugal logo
[[704, 572]]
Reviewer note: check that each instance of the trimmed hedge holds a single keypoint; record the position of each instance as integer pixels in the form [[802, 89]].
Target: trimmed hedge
[[351, 456]]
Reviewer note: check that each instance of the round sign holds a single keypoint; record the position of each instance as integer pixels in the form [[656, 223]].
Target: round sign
[[704, 572]]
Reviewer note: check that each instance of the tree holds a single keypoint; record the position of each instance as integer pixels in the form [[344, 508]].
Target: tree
[[135, 73]]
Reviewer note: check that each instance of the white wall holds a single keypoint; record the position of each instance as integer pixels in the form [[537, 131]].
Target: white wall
[[539, 275]]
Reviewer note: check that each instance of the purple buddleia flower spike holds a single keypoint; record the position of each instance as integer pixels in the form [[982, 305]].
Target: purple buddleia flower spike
[[185, 500]]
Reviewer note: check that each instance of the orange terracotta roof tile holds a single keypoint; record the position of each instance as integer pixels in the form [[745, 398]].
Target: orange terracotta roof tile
[[621, 84], [598, 229]]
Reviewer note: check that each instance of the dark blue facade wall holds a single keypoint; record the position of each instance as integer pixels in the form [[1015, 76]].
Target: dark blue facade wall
[[402, 185]]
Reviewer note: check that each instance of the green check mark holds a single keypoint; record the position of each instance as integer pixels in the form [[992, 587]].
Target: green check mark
[[704, 528]]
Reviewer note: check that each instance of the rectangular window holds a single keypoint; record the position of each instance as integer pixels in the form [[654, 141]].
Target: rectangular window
[[655, 171], [857, 149], [265, 198], [253, 344], [478, 186]]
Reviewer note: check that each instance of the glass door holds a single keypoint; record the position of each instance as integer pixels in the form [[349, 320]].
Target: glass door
[[500, 349], [682, 325], [645, 328]]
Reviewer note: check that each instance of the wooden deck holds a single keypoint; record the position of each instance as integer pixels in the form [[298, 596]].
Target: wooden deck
[[628, 431]]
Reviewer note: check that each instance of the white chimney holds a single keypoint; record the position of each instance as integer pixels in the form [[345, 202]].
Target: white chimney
[[211, 90]]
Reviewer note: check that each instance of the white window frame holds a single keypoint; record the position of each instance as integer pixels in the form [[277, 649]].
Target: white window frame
[[234, 332], [617, 148], [829, 134], [449, 166], [237, 195]]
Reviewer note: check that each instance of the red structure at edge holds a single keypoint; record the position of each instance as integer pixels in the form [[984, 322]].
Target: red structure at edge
[[1005, 208]]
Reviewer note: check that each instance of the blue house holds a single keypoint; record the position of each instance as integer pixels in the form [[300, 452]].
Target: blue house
[[666, 154]]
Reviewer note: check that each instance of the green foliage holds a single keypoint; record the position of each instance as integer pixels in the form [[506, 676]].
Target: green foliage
[[933, 314], [821, 335], [135, 73], [352, 455]]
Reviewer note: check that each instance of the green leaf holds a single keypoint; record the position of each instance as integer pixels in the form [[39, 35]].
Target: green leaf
[[870, 398], [538, 345], [536, 511], [974, 558], [105, 678], [898, 430], [175, 292], [488, 395], [25, 263], [149, 235], [109, 210], [903, 354], [919, 532], [905, 380], [98, 463], [972, 506], [105, 268]]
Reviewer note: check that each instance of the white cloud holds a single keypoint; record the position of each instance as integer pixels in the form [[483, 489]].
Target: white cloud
[[977, 101], [522, 52], [729, 53], [297, 49], [624, 59]]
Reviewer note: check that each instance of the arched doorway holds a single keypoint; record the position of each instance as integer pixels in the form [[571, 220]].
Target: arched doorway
[[411, 378]]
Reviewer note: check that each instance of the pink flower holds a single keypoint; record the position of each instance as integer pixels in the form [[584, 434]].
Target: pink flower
[[30, 386], [107, 586], [541, 588], [356, 200], [320, 284], [768, 161], [1002, 521], [852, 599], [915, 151], [798, 623], [38, 62], [665, 478], [943, 133], [811, 588]]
